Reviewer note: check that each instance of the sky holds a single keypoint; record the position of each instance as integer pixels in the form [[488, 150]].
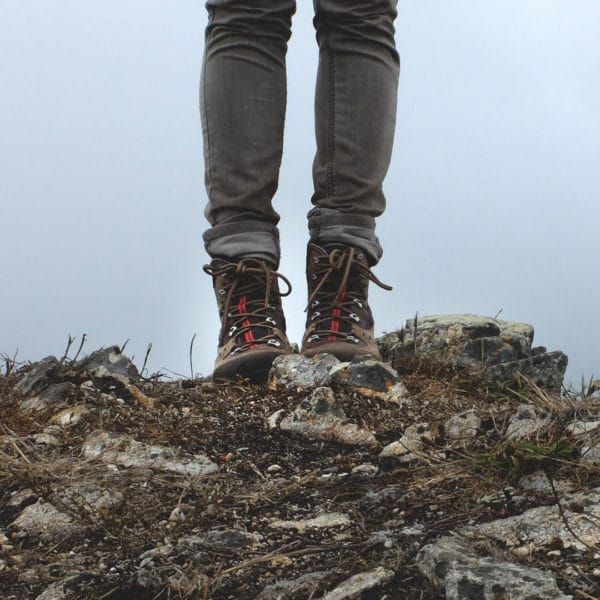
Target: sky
[[493, 188]]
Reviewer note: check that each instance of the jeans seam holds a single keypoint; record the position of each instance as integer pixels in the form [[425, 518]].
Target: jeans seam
[[210, 183], [331, 183]]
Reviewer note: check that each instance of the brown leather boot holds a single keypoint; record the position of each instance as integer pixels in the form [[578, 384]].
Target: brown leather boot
[[252, 322], [339, 319]]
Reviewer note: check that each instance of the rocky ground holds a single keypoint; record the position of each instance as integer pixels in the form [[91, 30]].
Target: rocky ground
[[459, 468]]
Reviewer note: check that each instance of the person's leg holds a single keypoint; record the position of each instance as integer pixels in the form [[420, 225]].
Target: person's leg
[[242, 106], [355, 118], [243, 103]]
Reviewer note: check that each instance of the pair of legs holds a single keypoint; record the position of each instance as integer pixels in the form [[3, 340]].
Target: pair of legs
[[243, 96], [243, 103]]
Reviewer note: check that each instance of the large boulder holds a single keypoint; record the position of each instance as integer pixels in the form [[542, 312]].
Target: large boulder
[[500, 350]]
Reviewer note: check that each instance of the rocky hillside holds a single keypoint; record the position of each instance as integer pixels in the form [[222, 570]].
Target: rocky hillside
[[459, 468]]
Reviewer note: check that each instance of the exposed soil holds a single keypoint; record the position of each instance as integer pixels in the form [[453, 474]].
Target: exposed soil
[[415, 503]]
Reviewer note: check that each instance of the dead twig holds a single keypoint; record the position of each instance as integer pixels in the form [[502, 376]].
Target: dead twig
[[69, 342]]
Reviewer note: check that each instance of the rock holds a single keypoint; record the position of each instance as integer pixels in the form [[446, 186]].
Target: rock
[[22, 497], [411, 446], [320, 417], [498, 350], [463, 426], [125, 451], [538, 482], [53, 394], [71, 416], [581, 429], [70, 588], [392, 494], [293, 371], [527, 422], [588, 432], [461, 339], [45, 439], [354, 587], [91, 497], [546, 370], [109, 362], [38, 375], [220, 538], [139, 398], [465, 575], [371, 378], [324, 521], [364, 375], [275, 418], [304, 586], [366, 470], [543, 526], [44, 522]]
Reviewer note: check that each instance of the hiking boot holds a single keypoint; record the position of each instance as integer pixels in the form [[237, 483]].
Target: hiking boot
[[252, 322], [339, 319]]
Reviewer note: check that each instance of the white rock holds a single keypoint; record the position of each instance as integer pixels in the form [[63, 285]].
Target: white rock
[[366, 470], [582, 428], [527, 422], [543, 525], [354, 587], [462, 574], [125, 451], [411, 445], [273, 420], [44, 522], [71, 415], [463, 426], [320, 417], [324, 521]]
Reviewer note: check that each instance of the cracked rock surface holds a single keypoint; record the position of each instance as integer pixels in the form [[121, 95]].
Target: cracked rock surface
[[501, 351], [463, 575]]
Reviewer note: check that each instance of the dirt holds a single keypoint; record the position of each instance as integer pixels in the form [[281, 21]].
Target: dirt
[[411, 503]]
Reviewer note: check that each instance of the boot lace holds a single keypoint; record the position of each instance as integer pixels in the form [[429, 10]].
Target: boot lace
[[249, 289], [335, 303]]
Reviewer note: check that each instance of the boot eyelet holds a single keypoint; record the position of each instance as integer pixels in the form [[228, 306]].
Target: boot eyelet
[[315, 260], [222, 292], [315, 316], [353, 339], [312, 338], [314, 303], [358, 303], [355, 317], [313, 276], [271, 321], [275, 343], [232, 330], [360, 256]]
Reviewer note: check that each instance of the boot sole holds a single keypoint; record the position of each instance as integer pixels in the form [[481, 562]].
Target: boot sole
[[253, 365], [341, 350]]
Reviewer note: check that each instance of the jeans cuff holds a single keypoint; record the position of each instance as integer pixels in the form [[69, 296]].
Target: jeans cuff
[[326, 225], [241, 239]]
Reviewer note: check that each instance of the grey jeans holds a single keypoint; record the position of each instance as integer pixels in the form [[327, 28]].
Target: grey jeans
[[243, 96]]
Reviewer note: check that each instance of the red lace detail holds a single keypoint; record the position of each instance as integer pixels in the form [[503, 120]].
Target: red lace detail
[[337, 312], [248, 335]]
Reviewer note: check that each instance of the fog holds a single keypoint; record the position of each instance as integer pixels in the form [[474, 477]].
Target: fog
[[492, 189]]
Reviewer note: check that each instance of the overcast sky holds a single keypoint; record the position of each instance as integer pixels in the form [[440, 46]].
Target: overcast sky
[[493, 190]]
